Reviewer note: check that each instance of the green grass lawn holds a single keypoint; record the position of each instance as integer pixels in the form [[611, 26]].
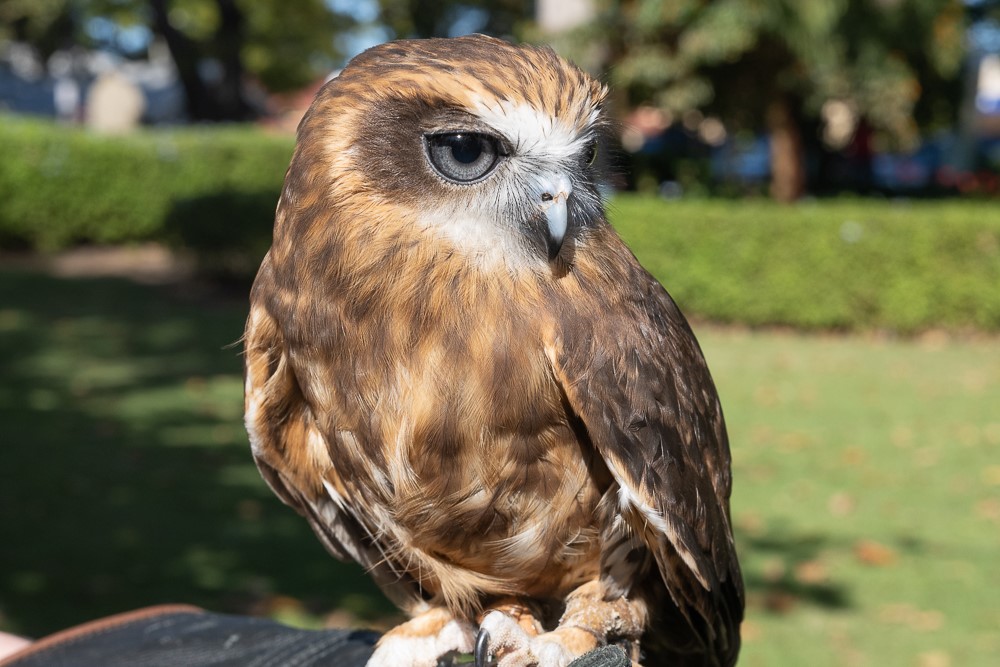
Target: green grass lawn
[[867, 501]]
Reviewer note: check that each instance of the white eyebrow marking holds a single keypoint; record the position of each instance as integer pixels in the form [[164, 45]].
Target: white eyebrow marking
[[534, 132]]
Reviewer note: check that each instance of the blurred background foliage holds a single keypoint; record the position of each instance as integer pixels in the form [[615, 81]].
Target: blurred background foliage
[[815, 182], [55, 190], [280, 49], [776, 63], [897, 68]]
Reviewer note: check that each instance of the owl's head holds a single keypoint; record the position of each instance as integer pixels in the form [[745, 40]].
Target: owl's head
[[487, 146]]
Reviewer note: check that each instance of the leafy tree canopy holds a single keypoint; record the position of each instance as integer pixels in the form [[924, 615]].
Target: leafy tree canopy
[[896, 61], [448, 18], [282, 46]]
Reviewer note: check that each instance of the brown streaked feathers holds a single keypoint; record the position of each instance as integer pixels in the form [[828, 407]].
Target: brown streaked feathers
[[495, 436]]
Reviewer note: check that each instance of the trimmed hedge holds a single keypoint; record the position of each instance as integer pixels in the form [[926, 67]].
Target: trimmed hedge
[[60, 186], [827, 264]]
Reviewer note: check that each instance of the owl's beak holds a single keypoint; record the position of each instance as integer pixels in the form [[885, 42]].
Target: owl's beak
[[554, 191]]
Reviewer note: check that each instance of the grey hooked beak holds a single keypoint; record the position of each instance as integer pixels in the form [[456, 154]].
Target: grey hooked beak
[[554, 191]]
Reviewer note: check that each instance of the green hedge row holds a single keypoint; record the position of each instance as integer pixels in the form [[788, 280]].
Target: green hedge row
[[826, 264], [206, 186]]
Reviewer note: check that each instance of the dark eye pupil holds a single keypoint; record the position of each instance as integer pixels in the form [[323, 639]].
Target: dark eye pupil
[[465, 149]]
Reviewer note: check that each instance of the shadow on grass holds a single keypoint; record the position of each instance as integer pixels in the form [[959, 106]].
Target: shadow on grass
[[127, 479], [784, 569], [796, 580], [126, 475]]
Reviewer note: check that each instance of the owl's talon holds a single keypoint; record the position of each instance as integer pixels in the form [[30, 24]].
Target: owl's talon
[[483, 649]]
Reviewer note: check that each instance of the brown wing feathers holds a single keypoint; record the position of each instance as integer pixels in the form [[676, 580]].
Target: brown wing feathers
[[636, 377]]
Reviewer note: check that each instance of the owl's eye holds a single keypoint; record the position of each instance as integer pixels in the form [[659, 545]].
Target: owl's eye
[[463, 157], [591, 154]]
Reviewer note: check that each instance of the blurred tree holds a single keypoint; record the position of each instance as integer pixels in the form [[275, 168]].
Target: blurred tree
[[214, 43], [449, 18], [46, 24], [774, 64]]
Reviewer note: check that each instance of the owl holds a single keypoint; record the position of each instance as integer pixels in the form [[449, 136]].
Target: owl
[[462, 378]]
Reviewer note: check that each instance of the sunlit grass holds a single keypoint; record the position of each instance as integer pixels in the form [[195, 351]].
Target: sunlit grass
[[867, 497], [866, 504]]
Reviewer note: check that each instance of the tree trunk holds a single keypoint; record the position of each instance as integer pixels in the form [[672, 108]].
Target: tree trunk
[[788, 170], [221, 100], [229, 39]]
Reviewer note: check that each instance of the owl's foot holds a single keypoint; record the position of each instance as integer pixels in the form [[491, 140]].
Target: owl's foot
[[421, 641], [502, 642], [588, 623]]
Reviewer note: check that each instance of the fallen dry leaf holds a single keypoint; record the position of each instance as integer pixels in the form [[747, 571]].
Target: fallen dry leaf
[[779, 602], [897, 612], [811, 572], [927, 621], [750, 631], [991, 475], [795, 440], [750, 523], [766, 396], [853, 456], [841, 504], [762, 434], [902, 436], [989, 509], [871, 552], [902, 613], [934, 659], [773, 570]]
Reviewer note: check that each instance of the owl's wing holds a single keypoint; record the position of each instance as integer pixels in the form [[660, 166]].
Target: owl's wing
[[635, 376], [292, 452], [283, 432]]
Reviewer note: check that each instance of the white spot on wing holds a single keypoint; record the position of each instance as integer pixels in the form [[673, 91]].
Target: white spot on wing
[[250, 415], [317, 448], [627, 497], [334, 494]]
